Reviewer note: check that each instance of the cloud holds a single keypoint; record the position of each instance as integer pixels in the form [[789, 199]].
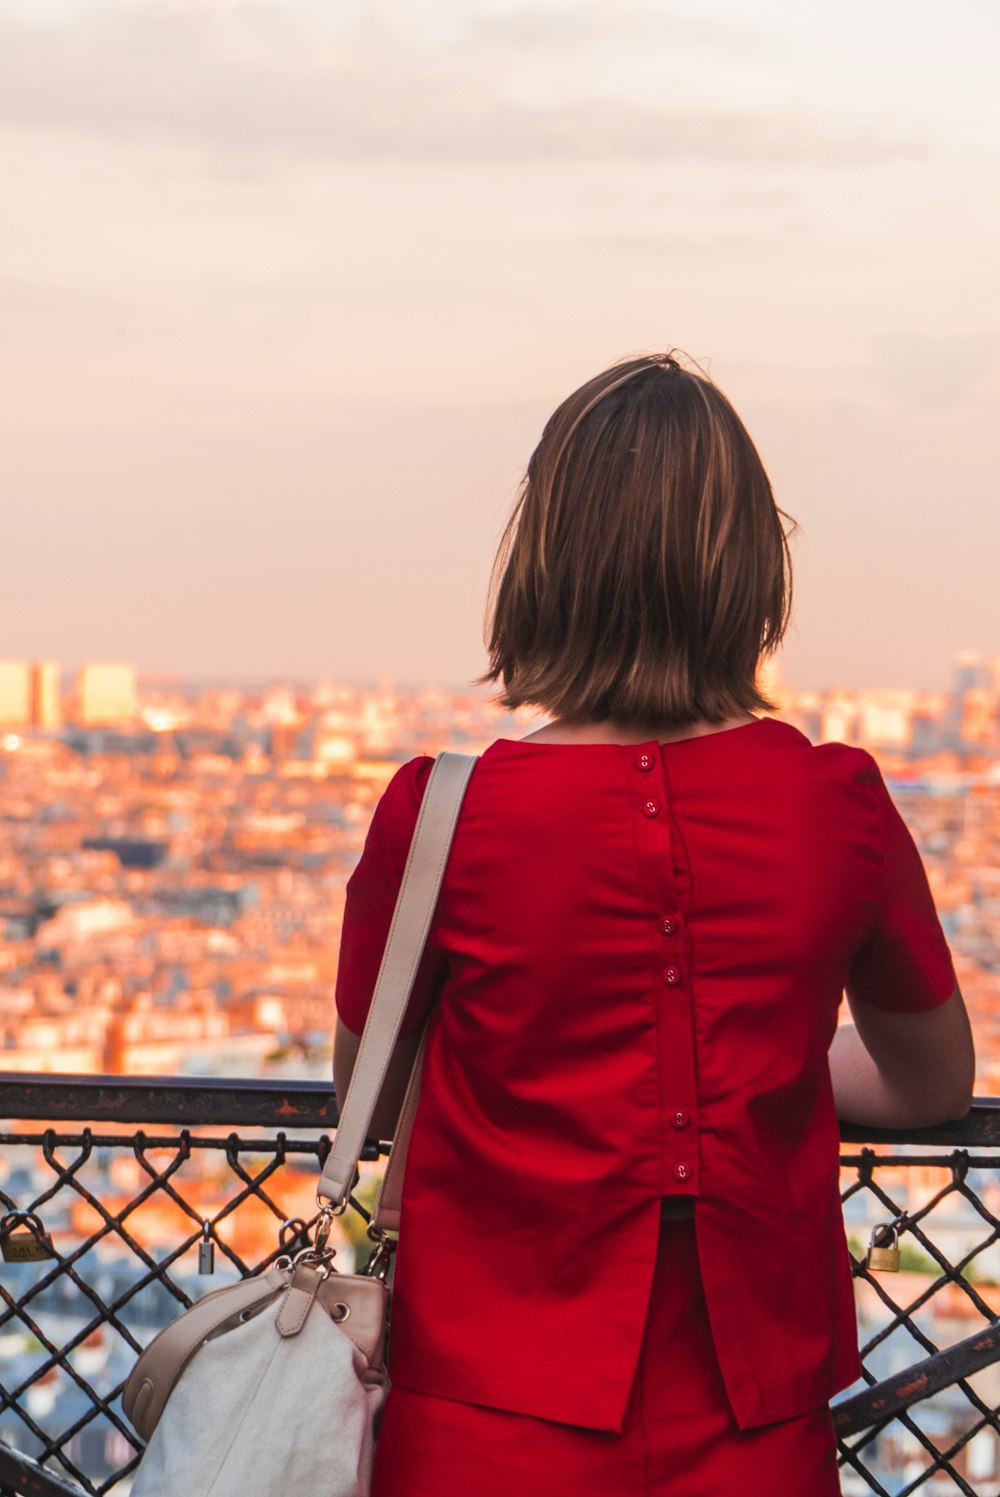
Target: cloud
[[934, 370], [374, 82], [32, 297], [601, 23], [668, 246]]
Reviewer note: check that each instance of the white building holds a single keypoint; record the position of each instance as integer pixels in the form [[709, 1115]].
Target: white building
[[107, 694]]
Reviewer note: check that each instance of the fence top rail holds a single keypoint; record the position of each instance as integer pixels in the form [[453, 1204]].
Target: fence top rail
[[181, 1100], [189, 1101]]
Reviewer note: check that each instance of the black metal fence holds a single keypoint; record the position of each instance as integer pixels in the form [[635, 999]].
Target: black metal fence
[[175, 1187]]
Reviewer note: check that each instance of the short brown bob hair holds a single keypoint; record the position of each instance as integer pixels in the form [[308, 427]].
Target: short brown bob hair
[[644, 570]]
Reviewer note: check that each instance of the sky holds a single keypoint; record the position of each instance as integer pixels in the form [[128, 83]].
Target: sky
[[288, 289]]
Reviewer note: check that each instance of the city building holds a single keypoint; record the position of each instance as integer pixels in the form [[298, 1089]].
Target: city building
[[106, 694], [15, 694], [46, 700]]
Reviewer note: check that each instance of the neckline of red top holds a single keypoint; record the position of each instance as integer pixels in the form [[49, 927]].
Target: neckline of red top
[[674, 743]]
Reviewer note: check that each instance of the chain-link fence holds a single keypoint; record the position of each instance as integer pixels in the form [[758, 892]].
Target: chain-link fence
[[141, 1219]]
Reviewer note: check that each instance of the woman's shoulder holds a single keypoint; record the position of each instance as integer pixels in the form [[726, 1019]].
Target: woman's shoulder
[[841, 783], [410, 780], [846, 760], [827, 752], [391, 828]]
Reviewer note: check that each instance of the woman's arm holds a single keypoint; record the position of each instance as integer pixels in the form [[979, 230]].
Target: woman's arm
[[903, 1070], [390, 1099]]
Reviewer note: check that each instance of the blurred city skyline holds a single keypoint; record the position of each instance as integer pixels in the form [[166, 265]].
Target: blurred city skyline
[[40, 692], [45, 697], [289, 290], [173, 864]]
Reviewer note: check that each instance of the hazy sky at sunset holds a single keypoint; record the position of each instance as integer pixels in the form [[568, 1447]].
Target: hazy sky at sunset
[[289, 287]]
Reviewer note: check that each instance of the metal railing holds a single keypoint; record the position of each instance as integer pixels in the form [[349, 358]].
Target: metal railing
[[167, 1175]]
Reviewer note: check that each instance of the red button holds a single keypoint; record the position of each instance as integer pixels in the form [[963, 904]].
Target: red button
[[651, 808], [682, 1172], [671, 975], [644, 761], [679, 1119], [668, 925]]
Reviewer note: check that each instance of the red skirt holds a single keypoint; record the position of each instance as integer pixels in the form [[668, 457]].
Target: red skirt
[[679, 1438]]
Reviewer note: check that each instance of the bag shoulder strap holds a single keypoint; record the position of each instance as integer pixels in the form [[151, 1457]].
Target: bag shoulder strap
[[411, 919], [155, 1374], [385, 1212]]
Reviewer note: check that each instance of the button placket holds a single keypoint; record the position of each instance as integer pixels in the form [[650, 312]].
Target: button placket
[[678, 1112]]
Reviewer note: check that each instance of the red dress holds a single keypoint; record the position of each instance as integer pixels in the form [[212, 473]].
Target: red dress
[[633, 975]]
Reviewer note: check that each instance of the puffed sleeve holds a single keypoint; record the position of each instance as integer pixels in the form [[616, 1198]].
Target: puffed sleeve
[[904, 964], [371, 898]]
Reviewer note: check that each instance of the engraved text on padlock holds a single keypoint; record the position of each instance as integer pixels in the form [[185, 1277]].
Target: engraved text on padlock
[[883, 1259], [23, 1239]]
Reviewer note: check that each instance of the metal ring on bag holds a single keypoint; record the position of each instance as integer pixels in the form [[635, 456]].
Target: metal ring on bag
[[322, 1261], [346, 1310]]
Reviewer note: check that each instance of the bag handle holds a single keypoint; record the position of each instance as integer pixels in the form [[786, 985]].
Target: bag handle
[[411, 919]]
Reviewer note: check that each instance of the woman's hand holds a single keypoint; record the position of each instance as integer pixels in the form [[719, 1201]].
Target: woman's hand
[[898, 1070]]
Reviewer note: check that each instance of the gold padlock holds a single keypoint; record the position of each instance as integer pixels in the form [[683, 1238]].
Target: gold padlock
[[884, 1259], [23, 1239]]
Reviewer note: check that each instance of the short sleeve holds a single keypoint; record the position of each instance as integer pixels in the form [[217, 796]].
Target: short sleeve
[[370, 900], [904, 964]]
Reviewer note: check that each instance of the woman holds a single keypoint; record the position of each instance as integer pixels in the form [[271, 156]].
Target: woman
[[622, 1264]]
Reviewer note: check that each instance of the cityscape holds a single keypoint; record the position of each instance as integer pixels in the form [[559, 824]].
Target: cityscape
[[173, 861], [173, 857]]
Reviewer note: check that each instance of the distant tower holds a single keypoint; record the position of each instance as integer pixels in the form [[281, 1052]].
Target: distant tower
[[46, 705], [106, 695], [969, 669], [15, 694]]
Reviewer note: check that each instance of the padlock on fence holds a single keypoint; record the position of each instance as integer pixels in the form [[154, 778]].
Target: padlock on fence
[[206, 1250], [882, 1259], [23, 1239]]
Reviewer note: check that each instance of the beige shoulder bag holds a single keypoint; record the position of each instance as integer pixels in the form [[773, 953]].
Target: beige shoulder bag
[[276, 1384]]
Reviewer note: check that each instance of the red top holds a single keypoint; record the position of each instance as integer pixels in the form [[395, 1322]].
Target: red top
[[633, 975]]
